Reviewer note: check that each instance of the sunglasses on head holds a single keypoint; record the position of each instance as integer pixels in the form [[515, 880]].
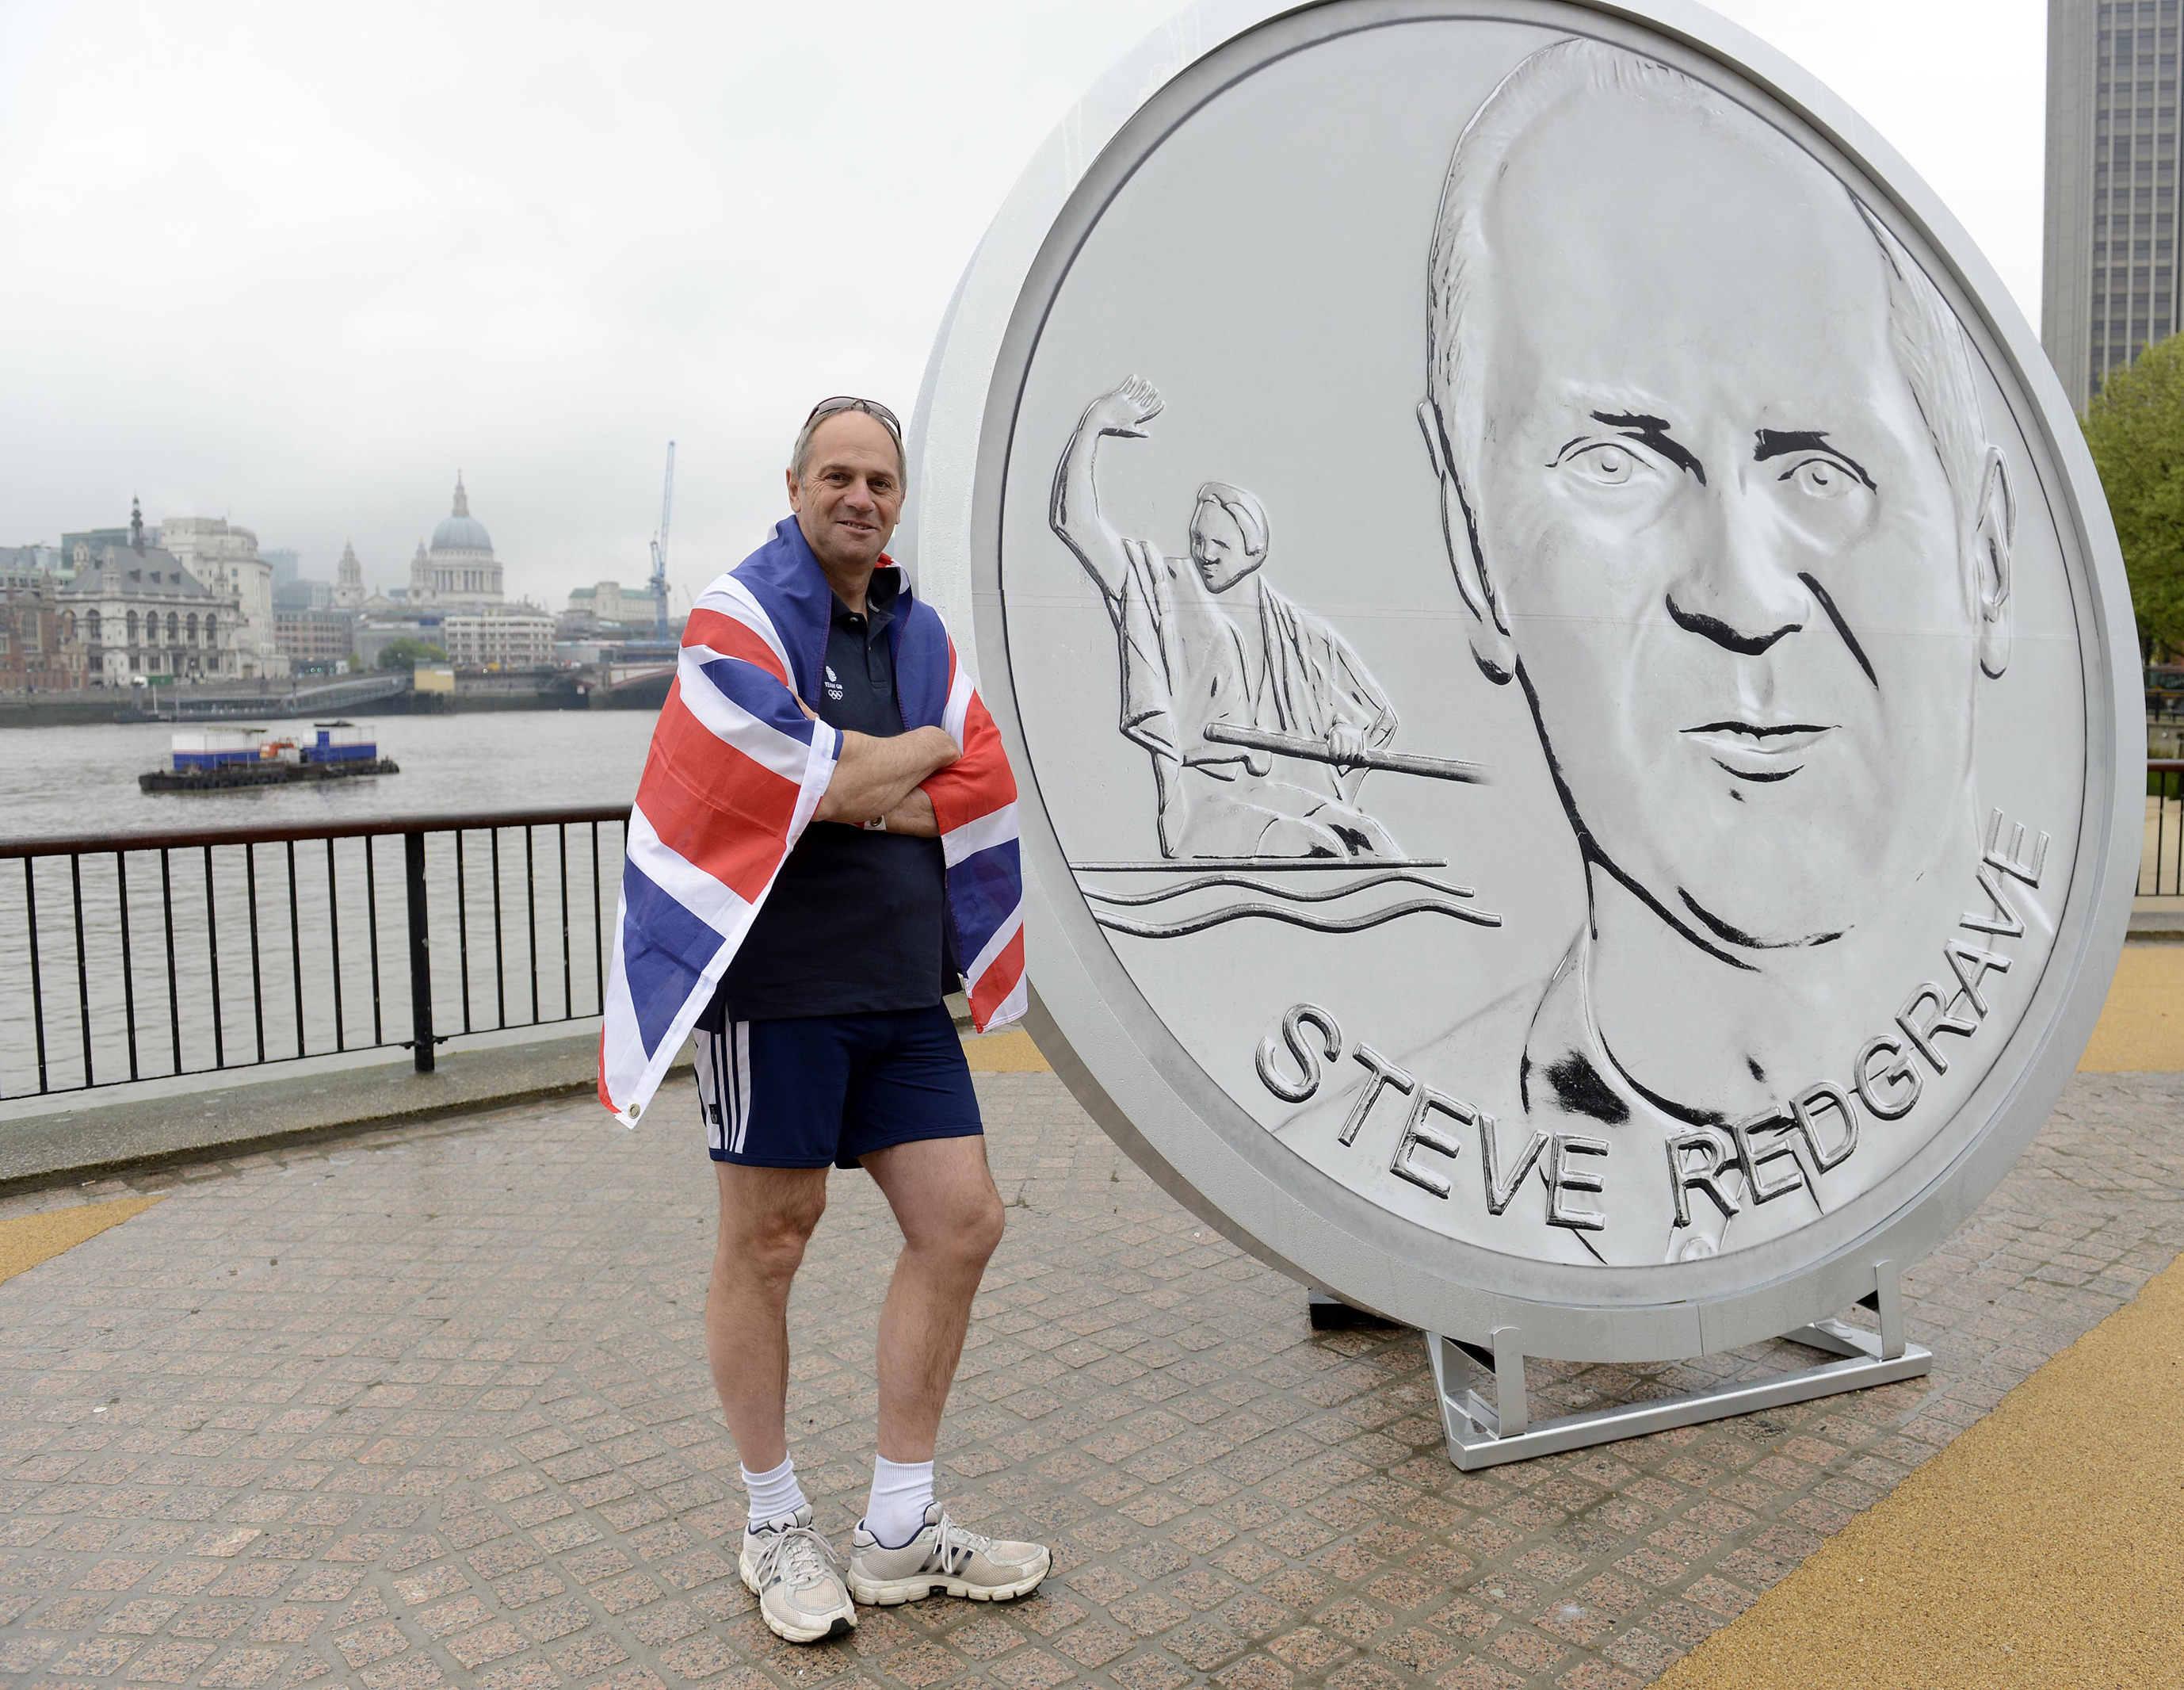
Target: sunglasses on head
[[842, 402]]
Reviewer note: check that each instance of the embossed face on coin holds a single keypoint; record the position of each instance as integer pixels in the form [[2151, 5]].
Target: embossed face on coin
[[1738, 524], [1631, 865], [1219, 547]]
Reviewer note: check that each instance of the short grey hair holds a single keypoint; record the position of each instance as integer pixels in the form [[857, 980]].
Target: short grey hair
[[800, 454], [1931, 347]]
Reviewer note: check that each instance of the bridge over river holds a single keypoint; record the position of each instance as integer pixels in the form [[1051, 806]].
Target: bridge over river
[[301, 698]]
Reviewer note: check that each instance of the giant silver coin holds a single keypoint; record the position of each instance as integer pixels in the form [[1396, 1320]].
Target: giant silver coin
[[1574, 692]]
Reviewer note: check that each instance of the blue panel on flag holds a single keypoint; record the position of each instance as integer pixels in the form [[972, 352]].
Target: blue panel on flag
[[664, 950], [759, 694], [921, 665], [984, 888]]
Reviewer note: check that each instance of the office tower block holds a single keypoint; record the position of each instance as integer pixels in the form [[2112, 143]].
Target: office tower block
[[2109, 269]]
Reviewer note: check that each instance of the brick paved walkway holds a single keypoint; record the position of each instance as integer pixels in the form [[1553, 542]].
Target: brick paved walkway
[[431, 1407]]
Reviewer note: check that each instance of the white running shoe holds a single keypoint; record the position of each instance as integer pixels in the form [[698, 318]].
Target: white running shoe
[[943, 1559], [797, 1578]]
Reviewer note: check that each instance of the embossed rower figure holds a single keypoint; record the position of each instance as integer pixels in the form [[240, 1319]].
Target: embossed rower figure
[[1205, 641], [1720, 501]]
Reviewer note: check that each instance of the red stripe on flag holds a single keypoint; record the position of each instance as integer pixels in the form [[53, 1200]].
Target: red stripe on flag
[[605, 1096], [1000, 979], [979, 782], [732, 639], [712, 806]]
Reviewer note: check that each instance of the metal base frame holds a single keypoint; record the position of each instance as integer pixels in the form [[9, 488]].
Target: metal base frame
[[1332, 1315], [1480, 1434]]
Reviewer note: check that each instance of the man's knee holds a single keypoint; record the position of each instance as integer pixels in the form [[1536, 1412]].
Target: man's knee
[[987, 1222], [764, 1231], [967, 1227], [944, 1198], [770, 1254]]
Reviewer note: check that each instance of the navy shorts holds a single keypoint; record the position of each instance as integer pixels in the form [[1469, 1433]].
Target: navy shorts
[[813, 1091]]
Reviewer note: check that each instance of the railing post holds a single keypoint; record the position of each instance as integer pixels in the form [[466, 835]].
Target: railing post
[[420, 951]]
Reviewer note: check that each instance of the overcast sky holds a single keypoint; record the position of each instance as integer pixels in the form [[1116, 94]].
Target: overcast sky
[[297, 264]]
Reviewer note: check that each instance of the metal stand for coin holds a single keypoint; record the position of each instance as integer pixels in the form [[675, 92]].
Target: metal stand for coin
[[1480, 1434]]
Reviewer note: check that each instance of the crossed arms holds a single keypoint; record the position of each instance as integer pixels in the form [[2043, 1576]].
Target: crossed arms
[[885, 778]]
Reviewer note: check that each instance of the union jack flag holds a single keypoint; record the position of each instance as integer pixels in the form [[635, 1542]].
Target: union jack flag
[[735, 773]]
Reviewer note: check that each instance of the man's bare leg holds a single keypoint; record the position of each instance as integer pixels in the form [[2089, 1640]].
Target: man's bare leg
[[943, 1199], [906, 1549], [767, 1219]]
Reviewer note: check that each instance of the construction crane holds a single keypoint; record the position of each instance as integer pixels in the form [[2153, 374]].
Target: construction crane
[[660, 554]]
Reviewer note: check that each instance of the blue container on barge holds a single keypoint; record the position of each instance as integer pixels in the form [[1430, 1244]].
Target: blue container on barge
[[229, 758]]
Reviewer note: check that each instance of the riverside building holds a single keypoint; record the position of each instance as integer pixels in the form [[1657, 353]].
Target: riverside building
[[315, 641], [459, 570], [224, 557], [139, 612], [518, 637], [610, 610], [348, 580], [40, 650]]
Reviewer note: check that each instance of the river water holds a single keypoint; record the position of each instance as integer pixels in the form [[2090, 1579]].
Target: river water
[[149, 963], [83, 780]]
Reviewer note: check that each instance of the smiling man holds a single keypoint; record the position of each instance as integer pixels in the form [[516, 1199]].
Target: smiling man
[[1719, 501], [823, 837]]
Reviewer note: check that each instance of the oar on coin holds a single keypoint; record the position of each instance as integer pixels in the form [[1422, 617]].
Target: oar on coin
[[1296, 745]]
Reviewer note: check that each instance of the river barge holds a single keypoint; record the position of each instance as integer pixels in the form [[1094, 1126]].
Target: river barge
[[228, 759]]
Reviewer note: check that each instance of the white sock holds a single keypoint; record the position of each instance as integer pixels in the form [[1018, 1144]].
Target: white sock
[[901, 1492], [773, 1496]]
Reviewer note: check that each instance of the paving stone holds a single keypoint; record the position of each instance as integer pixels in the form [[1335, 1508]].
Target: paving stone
[[170, 1662], [431, 1406], [244, 1670], [1095, 1644]]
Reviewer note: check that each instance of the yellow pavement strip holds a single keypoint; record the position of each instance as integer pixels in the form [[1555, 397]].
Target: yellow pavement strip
[[2143, 1026], [31, 1239], [2044, 1549], [1009, 1052]]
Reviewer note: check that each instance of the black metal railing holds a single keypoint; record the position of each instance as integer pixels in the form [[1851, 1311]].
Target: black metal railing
[[2161, 852], [203, 950]]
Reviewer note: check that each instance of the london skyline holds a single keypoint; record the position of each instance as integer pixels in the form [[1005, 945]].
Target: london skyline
[[304, 271]]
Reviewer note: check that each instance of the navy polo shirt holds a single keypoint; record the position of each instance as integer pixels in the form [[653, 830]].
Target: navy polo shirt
[[856, 922]]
